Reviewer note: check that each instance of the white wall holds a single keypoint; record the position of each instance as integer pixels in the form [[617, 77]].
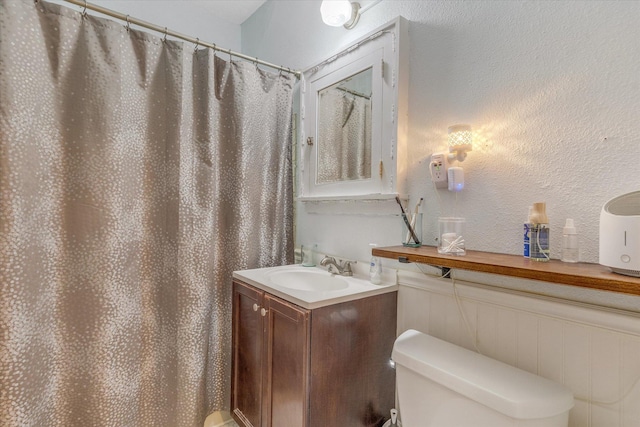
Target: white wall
[[190, 17], [552, 90]]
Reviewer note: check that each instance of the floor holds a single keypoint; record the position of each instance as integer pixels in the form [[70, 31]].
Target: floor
[[220, 419]]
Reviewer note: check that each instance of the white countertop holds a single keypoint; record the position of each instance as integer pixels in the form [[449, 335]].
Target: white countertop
[[356, 287]]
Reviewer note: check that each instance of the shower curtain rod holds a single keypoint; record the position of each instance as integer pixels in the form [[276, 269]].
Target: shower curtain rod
[[353, 92], [167, 32]]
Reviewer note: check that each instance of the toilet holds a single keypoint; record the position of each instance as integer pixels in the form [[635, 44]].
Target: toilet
[[443, 385]]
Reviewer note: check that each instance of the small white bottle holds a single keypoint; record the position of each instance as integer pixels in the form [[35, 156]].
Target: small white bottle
[[375, 268], [569, 242]]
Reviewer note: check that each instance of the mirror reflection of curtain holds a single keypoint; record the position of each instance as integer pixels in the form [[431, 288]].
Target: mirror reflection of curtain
[[135, 176], [344, 136]]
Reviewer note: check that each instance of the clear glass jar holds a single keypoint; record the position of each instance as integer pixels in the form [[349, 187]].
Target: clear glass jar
[[450, 237]]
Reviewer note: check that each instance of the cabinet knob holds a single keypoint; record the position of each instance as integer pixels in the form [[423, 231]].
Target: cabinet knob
[[255, 307], [263, 312]]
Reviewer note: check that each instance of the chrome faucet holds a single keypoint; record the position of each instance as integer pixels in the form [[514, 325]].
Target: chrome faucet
[[343, 269]]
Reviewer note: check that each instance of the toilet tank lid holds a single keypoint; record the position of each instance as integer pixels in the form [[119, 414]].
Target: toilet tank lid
[[504, 388]]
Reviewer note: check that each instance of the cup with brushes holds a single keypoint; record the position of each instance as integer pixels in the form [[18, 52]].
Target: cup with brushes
[[411, 225]]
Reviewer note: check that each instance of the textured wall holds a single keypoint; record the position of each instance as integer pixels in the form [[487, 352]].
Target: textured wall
[[552, 90]]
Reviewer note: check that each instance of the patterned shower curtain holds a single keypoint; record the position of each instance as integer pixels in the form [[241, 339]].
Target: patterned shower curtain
[[135, 175]]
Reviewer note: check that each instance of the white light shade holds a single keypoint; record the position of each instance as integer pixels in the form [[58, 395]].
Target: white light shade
[[336, 12], [460, 140]]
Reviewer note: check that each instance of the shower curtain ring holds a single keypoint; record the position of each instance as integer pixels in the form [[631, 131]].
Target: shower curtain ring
[[164, 38], [255, 62], [195, 49], [128, 24], [84, 11], [215, 50]]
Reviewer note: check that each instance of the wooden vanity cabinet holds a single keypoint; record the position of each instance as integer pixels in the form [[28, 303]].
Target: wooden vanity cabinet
[[294, 367], [270, 347]]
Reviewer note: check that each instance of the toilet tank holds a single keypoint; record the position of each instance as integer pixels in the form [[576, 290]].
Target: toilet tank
[[443, 385]]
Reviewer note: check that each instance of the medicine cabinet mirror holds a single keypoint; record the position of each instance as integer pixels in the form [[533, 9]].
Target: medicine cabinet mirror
[[344, 130], [353, 110]]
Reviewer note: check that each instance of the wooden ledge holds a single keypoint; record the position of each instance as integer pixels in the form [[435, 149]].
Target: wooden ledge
[[594, 276]]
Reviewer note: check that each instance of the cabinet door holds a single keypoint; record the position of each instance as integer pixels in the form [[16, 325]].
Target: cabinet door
[[352, 382], [246, 379], [286, 399]]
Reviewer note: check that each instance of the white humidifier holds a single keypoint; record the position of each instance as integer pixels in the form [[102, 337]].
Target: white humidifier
[[620, 234]]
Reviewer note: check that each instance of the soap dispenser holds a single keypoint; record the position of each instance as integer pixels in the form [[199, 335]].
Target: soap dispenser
[[375, 268]]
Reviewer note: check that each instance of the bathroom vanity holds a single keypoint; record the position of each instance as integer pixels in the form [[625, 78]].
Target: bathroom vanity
[[312, 353]]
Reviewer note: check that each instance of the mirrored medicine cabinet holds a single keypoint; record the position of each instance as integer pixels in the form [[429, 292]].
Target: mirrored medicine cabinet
[[354, 120]]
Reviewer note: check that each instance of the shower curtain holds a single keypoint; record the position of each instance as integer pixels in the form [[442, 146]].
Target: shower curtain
[[135, 175]]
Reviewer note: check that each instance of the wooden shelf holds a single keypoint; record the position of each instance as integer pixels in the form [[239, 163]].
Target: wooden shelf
[[585, 275]]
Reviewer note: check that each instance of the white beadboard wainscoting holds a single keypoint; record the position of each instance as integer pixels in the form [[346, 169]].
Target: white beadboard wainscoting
[[595, 351]]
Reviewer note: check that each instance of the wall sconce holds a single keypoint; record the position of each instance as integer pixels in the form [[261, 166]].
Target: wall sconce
[[343, 12], [460, 141]]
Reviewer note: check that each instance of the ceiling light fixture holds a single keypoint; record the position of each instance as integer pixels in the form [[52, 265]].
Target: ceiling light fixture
[[344, 13]]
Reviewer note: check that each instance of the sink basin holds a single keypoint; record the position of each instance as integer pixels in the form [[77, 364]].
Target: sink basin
[[308, 280], [311, 287]]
